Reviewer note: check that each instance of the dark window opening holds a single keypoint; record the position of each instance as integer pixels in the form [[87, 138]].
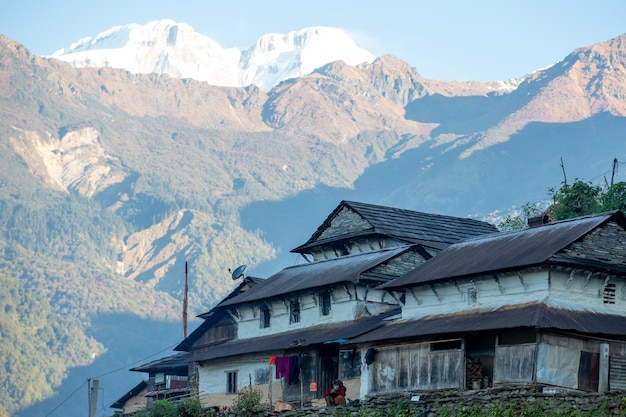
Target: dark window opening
[[325, 303], [447, 345], [516, 337], [231, 382], [608, 295], [265, 317], [294, 312]]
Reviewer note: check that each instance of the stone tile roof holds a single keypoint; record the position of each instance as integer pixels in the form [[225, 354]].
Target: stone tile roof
[[407, 225]]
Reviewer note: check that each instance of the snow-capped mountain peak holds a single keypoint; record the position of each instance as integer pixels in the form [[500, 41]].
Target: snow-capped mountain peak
[[176, 49]]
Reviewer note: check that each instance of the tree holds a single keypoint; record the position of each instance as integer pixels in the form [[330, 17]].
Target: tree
[[579, 199], [614, 198], [519, 220]]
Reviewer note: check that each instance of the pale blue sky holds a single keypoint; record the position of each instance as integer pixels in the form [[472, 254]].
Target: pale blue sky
[[444, 39]]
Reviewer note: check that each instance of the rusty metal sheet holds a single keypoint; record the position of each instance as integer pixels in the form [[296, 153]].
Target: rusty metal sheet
[[531, 315], [334, 333], [503, 251], [315, 275]]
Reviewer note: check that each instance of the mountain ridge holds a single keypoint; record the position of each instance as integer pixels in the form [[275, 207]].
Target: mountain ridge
[[167, 47], [111, 181]]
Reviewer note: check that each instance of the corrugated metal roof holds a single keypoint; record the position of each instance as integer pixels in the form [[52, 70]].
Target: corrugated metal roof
[[175, 365], [534, 315], [503, 251], [333, 333], [411, 226], [315, 275]]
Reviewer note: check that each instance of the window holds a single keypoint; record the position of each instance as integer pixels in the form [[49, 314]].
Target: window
[[608, 294], [265, 317], [325, 303], [159, 378], [231, 382], [446, 345], [294, 312]]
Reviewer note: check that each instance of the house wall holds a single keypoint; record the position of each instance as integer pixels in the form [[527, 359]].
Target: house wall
[[573, 287], [490, 292], [413, 366], [587, 289], [136, 403], [514, 363], [345, 223], [251, 369], [347, 303], [605, 243]]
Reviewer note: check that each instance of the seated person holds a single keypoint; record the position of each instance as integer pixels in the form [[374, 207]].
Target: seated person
[[336, 395]]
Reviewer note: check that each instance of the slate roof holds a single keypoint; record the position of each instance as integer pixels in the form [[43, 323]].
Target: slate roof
[[532, 315], [408, 225], [323, 334], [210, 318], [173, 365], [316, 275], [507, 251]]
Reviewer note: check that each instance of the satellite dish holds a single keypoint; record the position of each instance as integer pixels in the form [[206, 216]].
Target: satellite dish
[[238, 272]]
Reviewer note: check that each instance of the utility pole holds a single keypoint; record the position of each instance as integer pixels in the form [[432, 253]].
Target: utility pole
[[564, 176], [185, 305], [92, 396]]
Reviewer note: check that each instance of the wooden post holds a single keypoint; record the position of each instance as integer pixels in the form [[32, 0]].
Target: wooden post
[[603, 382], [89, 412]]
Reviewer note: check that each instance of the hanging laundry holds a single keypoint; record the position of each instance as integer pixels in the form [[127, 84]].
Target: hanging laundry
[[287, 367]]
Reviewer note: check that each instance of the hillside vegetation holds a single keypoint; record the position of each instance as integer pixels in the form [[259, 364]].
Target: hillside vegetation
[[110, 182]]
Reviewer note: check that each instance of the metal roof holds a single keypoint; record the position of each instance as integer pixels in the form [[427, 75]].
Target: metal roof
[[315, 275], [533, 315], [210, 318], [173, 365], [408, 225], [503, 251], [323, 334]]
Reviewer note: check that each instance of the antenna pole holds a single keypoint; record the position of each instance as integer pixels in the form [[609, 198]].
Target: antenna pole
[[614, 169], [185, 305]]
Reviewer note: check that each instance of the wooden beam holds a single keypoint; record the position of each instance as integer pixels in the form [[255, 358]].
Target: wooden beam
[[432, 288], [521, 280]]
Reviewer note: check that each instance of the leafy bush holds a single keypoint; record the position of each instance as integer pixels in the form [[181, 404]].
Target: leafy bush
[[163, 408], [248, 401], [189, 408]]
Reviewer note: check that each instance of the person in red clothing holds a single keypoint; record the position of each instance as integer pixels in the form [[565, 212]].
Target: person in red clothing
[[336, 395]]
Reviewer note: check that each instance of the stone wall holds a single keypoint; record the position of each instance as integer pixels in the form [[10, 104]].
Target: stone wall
[[531, 401]]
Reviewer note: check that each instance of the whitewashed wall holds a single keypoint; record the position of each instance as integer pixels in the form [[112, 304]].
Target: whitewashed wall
[[578, 288], [212, 379], [453, 296], [586, 289], [347, 303]]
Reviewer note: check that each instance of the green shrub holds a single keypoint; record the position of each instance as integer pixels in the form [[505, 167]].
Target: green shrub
[[189, 407], [248, 401], [163, 408]]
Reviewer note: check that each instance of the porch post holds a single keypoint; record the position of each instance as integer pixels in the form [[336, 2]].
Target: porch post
[[603, 380]]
